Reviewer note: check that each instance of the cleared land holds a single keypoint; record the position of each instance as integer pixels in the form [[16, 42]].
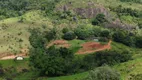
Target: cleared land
[[85, 48]]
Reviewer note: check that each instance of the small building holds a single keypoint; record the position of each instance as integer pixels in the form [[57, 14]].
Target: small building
[[19, 58], [96, 40]]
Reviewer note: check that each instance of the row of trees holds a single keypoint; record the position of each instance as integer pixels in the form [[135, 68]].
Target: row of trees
[[127, 38], [13, 8], [85, 32]]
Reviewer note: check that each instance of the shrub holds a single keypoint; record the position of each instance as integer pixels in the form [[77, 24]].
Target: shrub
[[105, 33], [100, 18], [124, 37], [83, 32], [103, 73], [138, 42], [65, 30], [69, 36], [140, 25]]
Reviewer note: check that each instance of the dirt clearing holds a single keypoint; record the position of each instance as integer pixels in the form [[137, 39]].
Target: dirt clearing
[[59, 43], [90, 47]]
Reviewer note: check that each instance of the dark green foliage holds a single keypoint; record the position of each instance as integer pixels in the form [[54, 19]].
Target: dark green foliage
[[65, 30], [126, 11], [103, 73], [127, 39], [140, 25], [103, 39], [52, 34], [83, 32], [1, 70], [124, 37], [51, 62], [37, 41], [69, 36], [108, 57], [105, 33], [97, 31], [139, 42], [135, 77], [111, 57], [100, 18], [13, 8]]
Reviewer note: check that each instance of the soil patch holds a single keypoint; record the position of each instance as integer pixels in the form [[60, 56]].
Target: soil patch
[[59, 43], [90, 47]]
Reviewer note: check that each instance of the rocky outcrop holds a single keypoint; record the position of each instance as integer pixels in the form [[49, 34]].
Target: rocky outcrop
[[90, 11]]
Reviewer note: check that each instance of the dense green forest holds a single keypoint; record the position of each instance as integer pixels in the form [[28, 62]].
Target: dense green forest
[[71, 39]]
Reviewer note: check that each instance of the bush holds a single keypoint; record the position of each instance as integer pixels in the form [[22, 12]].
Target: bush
[[102, 39], [100, 18], [140, 25], [103, 73], [124, 37], [138, 42], [65, 30], [1, 70], [69, 36], [83, 32], [109, 57], [105, 33]]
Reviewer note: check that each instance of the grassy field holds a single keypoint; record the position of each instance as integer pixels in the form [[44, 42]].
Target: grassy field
[[14, 34]]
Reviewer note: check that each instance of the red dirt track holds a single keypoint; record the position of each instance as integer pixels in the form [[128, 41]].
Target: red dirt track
[[59, 43], [90, 47]]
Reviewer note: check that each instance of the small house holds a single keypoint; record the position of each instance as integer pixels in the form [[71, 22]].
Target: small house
[[19, 58]]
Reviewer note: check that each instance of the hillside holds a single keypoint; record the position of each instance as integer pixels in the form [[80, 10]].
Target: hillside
[[69, 39]]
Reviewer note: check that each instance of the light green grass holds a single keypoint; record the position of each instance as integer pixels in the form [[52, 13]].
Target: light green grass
[[79, 76], [76, 44], [9, 43], [18, 65], [130, 67]]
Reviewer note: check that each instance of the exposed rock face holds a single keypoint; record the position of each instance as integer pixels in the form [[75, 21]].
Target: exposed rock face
[[90, 11]]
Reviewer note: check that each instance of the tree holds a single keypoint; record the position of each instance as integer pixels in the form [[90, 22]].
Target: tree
[[52, 61], [140, 25], [65, 30], [96, 31], [52, 34], [139, 42], [37, 39], [103, 73], [100, 18], [105, 33], [69, 36], [119, 36], [83, 32]]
